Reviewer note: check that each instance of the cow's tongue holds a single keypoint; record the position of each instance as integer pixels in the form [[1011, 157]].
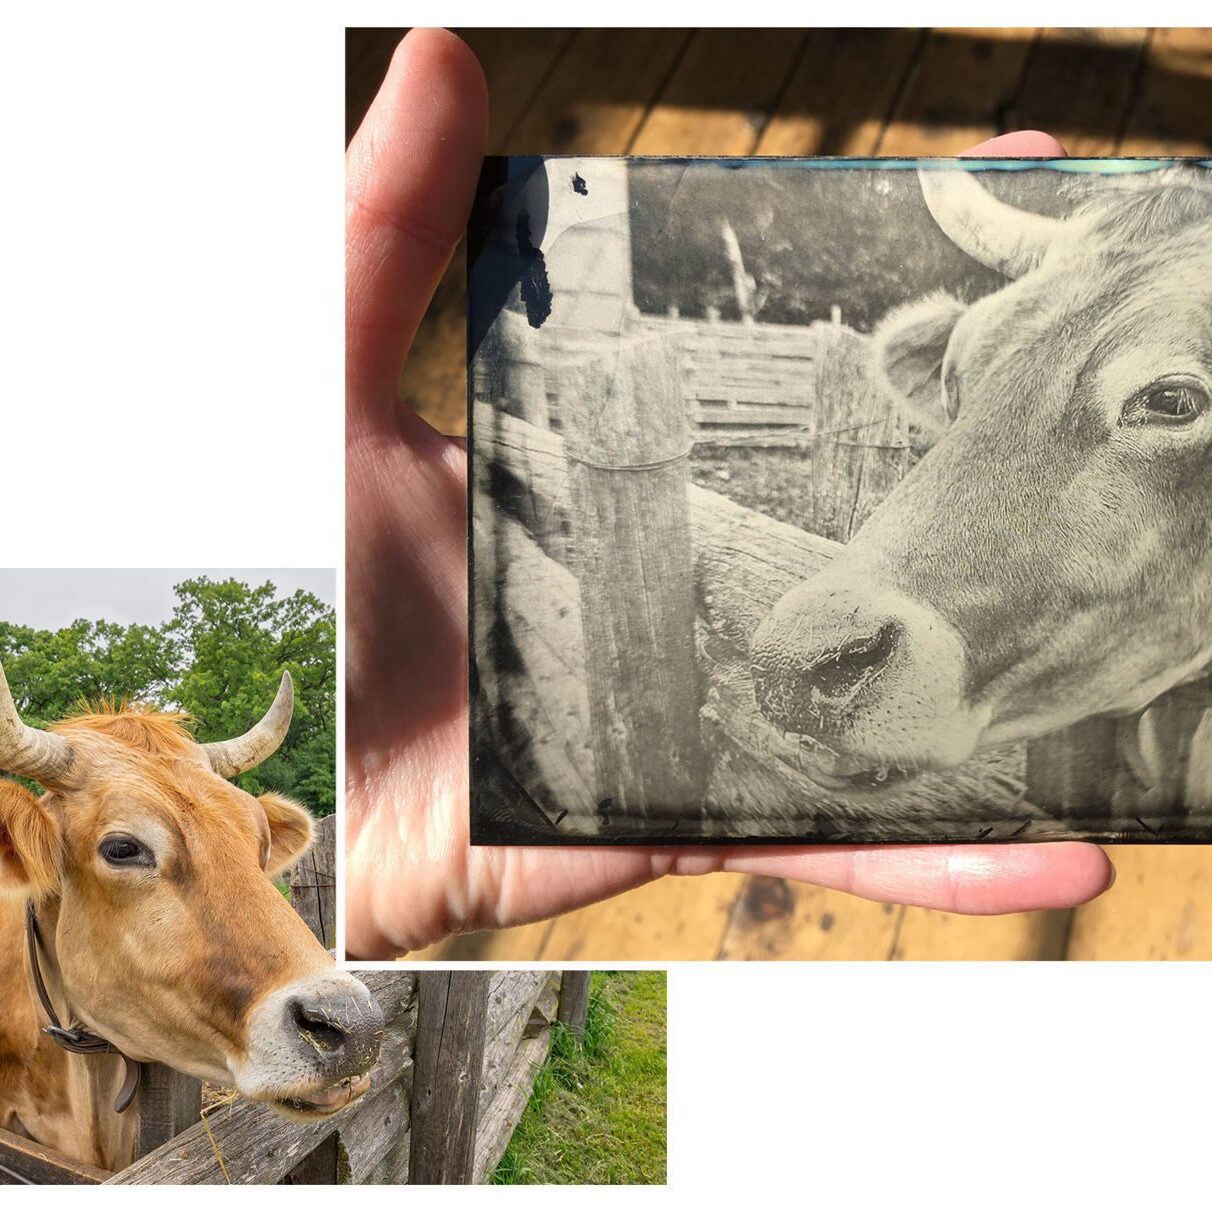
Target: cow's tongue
[[833, 771], [339, 1094]]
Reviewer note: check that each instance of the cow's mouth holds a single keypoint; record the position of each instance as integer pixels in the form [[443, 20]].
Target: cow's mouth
[[326, 1102], [838, 773]]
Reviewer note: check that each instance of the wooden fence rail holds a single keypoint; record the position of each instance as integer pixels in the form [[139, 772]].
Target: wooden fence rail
[[731, 378]]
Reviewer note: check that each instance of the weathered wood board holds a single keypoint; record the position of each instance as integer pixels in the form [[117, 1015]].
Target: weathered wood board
[[23, 1161]]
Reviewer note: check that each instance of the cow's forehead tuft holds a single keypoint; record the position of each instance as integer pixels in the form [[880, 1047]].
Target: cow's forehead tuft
[[149, 731]]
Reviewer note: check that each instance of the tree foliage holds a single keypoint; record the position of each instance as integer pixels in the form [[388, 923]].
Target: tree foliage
[[812, 238], [218, 659]]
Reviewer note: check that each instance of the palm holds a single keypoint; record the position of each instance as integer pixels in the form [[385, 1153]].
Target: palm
[[411, 875]]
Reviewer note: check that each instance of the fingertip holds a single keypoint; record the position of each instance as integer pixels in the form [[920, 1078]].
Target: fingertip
[[447, 57], [1062, 875], [411, 175], [420, 144], [1027, 144], [1100, 869]]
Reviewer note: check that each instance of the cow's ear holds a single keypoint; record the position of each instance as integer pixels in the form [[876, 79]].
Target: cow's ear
[[31, 844], [290, 831], [909, 348]]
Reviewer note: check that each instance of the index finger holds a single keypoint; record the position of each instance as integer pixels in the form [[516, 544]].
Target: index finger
[[411, 173]]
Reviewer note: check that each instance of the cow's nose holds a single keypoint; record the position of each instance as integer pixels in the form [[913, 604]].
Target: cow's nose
[[809, 672], [835, 672], [343, 1029]]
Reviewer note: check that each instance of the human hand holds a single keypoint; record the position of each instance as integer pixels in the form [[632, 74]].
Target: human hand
[[412, 876]]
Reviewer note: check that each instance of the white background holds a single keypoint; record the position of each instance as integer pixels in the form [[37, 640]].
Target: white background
[[170, 394]]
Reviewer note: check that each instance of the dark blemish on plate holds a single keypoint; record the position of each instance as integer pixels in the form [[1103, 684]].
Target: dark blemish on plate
[[536, 289], [579, 185]]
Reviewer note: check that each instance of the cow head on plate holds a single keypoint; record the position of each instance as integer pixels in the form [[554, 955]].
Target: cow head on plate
[[1050, 558]]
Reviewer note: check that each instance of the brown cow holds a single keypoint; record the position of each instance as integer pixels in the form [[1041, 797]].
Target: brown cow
[[1050, 558], [159, 930]]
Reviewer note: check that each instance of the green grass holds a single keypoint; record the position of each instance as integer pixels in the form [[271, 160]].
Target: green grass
[[597, 1112]]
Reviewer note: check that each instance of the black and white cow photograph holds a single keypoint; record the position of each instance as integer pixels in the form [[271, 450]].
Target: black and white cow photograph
[[840, 501]]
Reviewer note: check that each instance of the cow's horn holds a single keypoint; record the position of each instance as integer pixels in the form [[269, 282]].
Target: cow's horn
[[1000, 236], [234, 756], [27, 751]]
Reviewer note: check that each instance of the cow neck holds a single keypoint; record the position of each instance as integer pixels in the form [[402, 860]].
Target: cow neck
[[73, 1038]]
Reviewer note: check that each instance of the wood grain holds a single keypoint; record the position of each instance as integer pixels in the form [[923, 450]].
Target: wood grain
[[23, 1160], [1079, 86], [449, 1062], [775, 919], [499, 1117], [721, 94], [677, 919], [627, 446], [940, 936], [512, 1001], [168, 1103], [1158, 910], [313, 883], [574, 1000], [841, 93], [1175, 96], [961, 86], [595, 101]]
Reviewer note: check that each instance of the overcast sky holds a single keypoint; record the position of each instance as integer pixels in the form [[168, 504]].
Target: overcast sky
[[49, 600]]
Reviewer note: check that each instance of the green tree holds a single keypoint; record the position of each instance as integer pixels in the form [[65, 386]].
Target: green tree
[[231, 643], [57, 672], [219, 659]]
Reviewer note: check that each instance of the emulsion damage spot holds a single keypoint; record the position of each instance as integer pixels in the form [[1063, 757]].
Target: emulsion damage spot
[[536, 289]]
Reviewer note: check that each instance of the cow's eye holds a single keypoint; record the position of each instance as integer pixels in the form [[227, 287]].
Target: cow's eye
[[1172, 401], [124, 850]]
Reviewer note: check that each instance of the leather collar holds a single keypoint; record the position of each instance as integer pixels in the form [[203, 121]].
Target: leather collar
[[75, 1040]]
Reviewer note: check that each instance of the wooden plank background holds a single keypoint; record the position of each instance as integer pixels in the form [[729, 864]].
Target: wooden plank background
[[822, 92]]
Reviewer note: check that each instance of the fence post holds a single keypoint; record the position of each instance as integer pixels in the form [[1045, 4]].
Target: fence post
[[574, 1001], [313, 883], [524, 383], [313, 894], [168, 1102], [627, 441], [861, 450], [448, 1063]]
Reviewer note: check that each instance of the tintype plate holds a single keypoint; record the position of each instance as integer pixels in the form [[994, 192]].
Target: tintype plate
[[833, 500]]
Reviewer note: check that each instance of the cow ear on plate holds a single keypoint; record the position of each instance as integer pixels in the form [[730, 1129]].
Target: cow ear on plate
[[30, 843], [909, 347], [290, 831]]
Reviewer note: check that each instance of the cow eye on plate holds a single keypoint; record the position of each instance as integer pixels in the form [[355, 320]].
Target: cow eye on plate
[[1172, 402], [122, 851]]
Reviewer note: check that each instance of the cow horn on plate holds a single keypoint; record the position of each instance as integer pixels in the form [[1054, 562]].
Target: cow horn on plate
[[1000, 236], [26, 751], [234, 756]]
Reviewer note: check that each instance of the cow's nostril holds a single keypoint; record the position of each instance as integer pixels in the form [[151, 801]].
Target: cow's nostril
[[318, 1027], [837, 672]]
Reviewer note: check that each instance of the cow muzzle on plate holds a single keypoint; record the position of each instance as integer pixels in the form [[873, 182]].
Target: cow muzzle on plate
[[872, 681]]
